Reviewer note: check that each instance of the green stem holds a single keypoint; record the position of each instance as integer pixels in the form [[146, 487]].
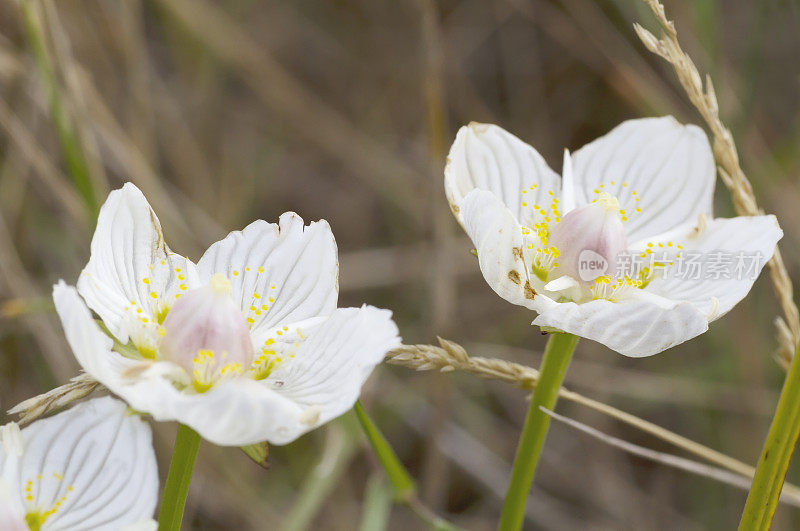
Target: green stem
[[403, 486], [402, 482], [187, 441], [775, 457], [557, 355]]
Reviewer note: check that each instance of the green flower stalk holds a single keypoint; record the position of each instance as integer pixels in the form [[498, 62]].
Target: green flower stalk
[[557, 356], [776, 455]]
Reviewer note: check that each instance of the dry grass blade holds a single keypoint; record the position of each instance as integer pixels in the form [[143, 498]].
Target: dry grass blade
[[78, 387], [727, 157], [451, 357], [681, 463]]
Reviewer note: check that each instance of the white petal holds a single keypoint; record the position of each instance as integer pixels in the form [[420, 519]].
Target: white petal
[[12, 515], [498, 240], [97, 461], [731, 254], [487, 157], [235, 412], [92, 348], [327, 371], [635, 328], [670, 167], [567, 184], [290, 269], [130, 263]]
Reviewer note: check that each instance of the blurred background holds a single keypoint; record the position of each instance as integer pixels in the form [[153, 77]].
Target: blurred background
[[224, 112]]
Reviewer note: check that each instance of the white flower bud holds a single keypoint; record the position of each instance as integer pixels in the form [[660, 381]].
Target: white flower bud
[[589, 240]]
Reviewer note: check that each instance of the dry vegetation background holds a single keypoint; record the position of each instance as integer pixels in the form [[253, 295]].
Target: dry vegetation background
[[223, 112]]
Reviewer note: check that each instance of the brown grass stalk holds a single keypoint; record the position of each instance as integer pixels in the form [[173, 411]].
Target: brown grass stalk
[[704, 100]]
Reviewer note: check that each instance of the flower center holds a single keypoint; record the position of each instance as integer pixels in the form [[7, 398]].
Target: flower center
[[589, 240], [578, 255], [207, 335]]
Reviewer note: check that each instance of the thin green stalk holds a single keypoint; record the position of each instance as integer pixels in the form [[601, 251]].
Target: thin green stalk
[[402, 482], [403, 485], [557, 355], [70, 143], [187, 441], [778, 448]]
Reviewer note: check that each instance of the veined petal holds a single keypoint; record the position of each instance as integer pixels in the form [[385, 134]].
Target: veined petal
[[634, 327], [486, 157], [326, 372], [661, 172], [719, 262], [92, 467], [279, 273], [130, 264], [497, 237]]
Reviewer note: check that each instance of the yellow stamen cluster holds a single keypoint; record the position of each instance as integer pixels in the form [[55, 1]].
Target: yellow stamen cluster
[[275, 350], [209, 369], [663, 246], [536, 221], [265, 362], [261, 300], [615, 289]]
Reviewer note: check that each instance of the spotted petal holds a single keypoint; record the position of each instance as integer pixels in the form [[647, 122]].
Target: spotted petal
[[719, 262], [636, 327], [130, 264], [279, 273], [93, 464], [486, 157], [498, 240], [667, 166]]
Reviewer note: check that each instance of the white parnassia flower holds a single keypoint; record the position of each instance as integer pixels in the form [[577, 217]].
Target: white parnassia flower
[[245, 346], [90, 467], [605, 251]]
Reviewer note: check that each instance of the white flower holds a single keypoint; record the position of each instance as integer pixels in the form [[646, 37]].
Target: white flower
[[603, 253], [245, 346], [90, 467]]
